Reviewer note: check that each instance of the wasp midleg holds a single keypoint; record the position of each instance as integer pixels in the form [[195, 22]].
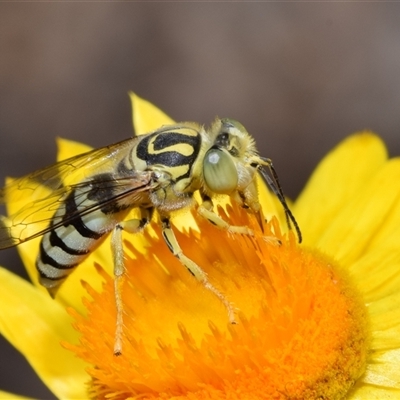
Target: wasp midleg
[[193, 268], [136, 225]]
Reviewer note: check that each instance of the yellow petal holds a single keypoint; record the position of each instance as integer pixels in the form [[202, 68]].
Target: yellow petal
[[384, 370], [349, 233], [370, 392], [146, 116], [336, 180], [11, 396], [69, 148], [377, 274], [387, 237], [385, 316], [34, 324], [28, 252]]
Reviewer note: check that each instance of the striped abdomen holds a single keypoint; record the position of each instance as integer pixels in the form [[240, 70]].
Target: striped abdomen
[[77, 233]]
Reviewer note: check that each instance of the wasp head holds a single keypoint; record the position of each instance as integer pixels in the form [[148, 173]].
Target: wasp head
[[229, 167]]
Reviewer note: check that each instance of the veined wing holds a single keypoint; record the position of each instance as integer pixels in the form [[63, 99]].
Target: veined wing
[[34, 218], [67, 172], [37, 196]]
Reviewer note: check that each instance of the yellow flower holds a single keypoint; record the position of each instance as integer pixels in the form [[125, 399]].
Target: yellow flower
[[319, 320]]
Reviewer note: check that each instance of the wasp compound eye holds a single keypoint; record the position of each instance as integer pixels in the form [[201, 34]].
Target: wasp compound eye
[[219, 170]]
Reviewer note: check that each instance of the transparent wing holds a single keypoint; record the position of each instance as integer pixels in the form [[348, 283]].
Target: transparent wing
[[41, 193], [33, 220], [69, 171]]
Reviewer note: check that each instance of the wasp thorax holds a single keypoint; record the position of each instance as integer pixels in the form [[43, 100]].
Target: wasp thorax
[[219, 171]]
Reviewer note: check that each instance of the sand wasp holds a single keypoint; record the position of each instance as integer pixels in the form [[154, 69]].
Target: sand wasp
[[91, 195]]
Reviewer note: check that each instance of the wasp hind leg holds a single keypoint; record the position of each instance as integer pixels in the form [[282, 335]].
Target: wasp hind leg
[[193, 268], [131, 226]]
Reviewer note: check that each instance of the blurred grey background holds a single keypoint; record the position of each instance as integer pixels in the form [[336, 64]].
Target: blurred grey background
[[299, 76]]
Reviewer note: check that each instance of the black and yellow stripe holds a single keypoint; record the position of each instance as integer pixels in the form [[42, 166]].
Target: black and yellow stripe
[[73, 234], [175, 151]]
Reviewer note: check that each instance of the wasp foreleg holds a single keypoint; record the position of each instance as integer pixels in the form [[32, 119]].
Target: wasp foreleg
[[193, 268], [205, 209], [131, 226]]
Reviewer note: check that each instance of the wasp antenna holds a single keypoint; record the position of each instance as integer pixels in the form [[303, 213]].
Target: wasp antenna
[[281, 197], [277, 189]]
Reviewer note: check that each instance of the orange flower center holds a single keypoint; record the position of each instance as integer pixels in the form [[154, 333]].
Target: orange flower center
[[301, 332]]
